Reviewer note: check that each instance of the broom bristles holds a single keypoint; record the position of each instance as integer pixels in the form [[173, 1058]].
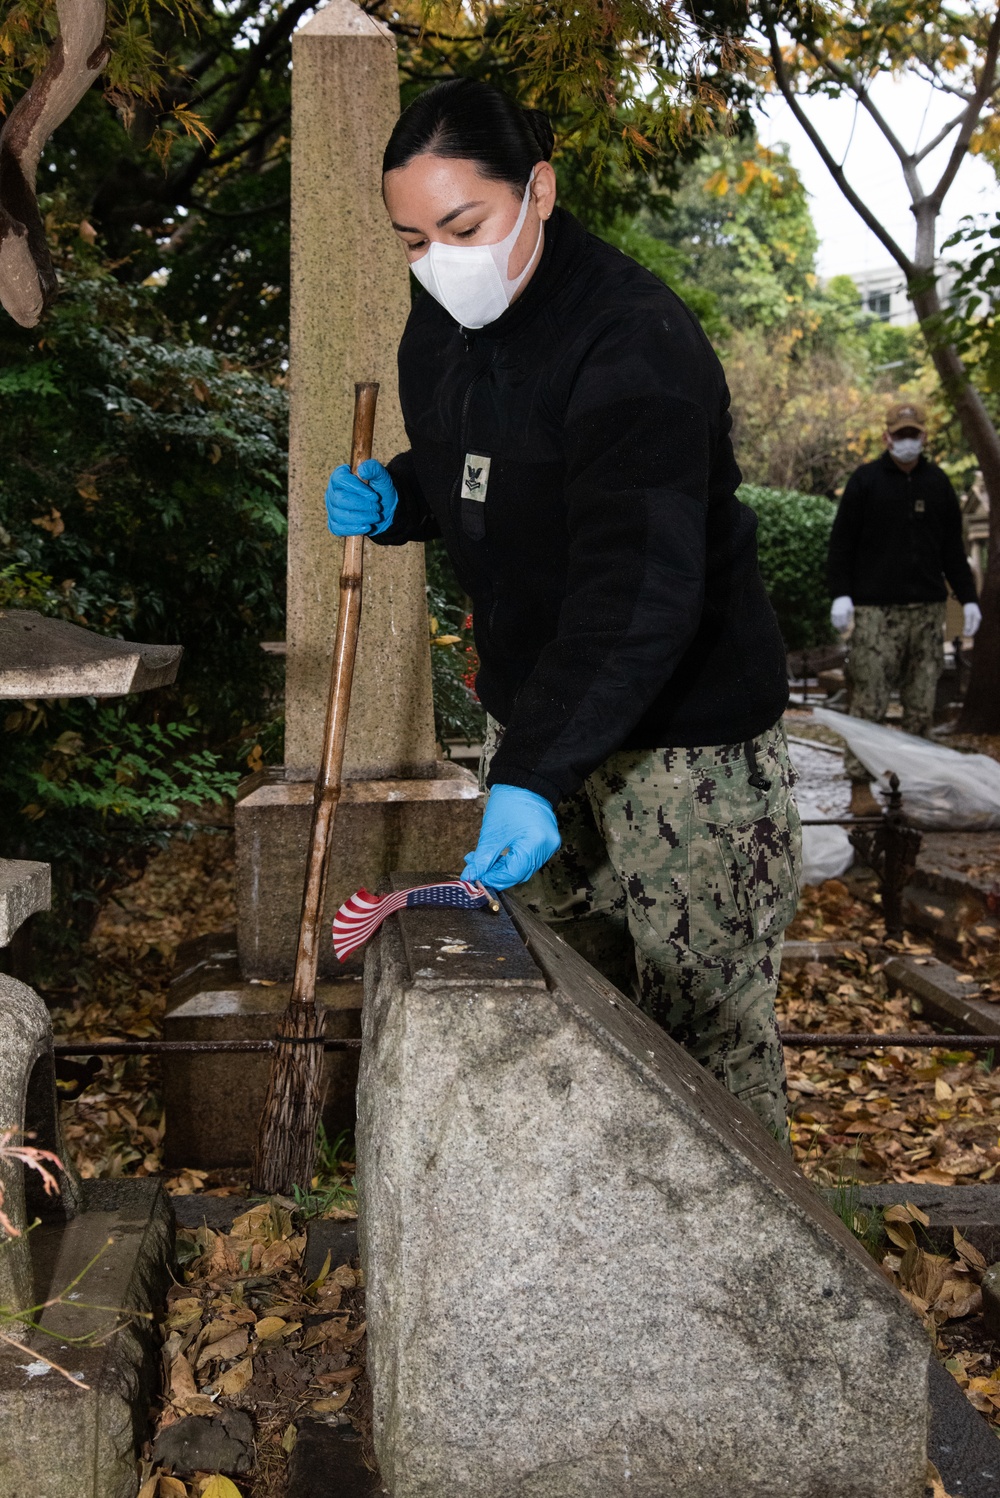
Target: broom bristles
[[293, 1105]]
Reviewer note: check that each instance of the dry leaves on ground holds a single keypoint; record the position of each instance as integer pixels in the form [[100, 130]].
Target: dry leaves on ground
[[897, 1114], [114, 1125], [243, 1331]]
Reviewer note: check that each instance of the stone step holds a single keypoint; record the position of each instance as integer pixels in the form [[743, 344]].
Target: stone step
[[941, 996], [973, 1209]]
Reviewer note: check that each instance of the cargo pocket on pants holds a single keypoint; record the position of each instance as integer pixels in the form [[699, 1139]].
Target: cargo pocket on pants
[[742, 878]]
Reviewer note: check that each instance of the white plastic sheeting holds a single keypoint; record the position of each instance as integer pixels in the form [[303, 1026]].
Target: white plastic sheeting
[[826, 851], [941, 788]]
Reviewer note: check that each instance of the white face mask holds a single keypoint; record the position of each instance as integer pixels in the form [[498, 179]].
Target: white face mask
[[471, 281], [906, 449]]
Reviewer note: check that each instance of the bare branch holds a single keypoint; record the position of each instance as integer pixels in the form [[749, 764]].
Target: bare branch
[[859, 88], [942, 134], [833, 167], [986, 86]]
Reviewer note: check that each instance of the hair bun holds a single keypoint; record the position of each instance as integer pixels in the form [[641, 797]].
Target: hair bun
[[541, 129]]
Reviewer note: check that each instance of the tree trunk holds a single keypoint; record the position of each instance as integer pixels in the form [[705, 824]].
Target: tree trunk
[[981, 712]]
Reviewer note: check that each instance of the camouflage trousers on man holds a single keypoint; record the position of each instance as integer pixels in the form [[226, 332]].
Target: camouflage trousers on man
[[899, 647], [676, 878]]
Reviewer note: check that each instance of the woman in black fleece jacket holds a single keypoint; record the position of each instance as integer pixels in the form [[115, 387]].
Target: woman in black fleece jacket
[[569, 440]]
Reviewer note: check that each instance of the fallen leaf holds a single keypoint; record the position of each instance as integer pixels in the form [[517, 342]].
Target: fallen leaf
[[934, 1483], [332, 1329], [236, 1378], [183, 1312], [354, 1337], [288, 1440], [320, 1279], [196, 1404], [220, 1487], [335, 1402], [345, 1276], [337, 1376], [270, 1326], [182, 1381], [969, 1254], [231, 1346], [275, 1256], [171, 1487]]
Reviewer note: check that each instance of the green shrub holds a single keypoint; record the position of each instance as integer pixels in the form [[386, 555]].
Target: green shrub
[[142, 493], [793, 534]]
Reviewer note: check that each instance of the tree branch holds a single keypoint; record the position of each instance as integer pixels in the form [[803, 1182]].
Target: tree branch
[[833, 167], [77, 56], [284, 202], [859, 89], [271, 39], [224, 157], [984, 89], [942, 135]]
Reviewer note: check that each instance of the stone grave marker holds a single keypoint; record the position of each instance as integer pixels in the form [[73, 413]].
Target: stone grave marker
[[349, 303], [590, 1271], [401, 804], [58, 1439]]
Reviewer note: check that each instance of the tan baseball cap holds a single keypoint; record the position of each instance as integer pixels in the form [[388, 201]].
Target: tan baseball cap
[[905, 414]]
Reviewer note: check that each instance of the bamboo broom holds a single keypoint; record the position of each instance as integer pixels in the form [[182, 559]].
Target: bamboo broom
[[293, 1103]]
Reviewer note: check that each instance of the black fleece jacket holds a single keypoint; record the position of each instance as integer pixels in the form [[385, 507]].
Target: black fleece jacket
[[575, 457], [897, 536]]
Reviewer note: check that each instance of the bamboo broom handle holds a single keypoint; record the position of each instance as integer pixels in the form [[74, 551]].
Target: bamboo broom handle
[[328, 786]]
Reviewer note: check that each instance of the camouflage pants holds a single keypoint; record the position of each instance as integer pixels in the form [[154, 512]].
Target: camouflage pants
[[676, 878], [898, 647]]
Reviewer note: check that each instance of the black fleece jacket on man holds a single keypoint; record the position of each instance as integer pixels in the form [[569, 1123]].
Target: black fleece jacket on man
[[897, 536], [575, 457]]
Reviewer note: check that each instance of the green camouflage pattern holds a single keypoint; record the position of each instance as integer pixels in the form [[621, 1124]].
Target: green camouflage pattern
[[896, 648], [676, 878]]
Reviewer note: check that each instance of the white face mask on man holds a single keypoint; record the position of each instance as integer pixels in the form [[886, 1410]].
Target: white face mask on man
[[471, 281], [906, 449]]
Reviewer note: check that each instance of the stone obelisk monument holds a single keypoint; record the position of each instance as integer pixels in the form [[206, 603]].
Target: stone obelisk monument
[[402, 806]]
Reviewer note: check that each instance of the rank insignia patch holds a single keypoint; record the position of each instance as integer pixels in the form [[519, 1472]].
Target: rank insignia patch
[[475, 476]]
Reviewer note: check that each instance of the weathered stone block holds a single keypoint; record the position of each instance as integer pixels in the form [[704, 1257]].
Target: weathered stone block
[[25, 888], [429, 822], [213, 1100], [590, 1271], [942, 995], [106, 1244], [61, 1441], [350, 300], [42, 657]]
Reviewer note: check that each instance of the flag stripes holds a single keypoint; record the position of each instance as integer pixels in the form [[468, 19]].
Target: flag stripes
[[362, 914]]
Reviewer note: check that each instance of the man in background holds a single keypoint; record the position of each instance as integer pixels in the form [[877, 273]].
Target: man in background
[[896, 539]]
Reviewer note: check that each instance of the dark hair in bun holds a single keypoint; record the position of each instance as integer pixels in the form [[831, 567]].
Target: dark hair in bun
[[474, 122]]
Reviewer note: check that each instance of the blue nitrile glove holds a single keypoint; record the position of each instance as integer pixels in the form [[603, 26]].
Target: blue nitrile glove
[[354, 508], [519, 834]]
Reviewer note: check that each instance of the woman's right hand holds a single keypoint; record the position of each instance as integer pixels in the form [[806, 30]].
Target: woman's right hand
[[361, 504]]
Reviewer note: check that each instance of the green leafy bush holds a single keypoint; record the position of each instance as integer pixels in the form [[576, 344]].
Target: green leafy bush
[[793, 534], [142, 495], [457, 710]]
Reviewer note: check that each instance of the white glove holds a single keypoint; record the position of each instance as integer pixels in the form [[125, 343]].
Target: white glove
[[972, 616], [842, 612]]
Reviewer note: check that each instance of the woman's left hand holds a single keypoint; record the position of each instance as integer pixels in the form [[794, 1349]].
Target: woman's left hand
[[519, 834]]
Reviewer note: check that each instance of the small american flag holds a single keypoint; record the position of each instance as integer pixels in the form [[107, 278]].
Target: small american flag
[[361, 916]]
